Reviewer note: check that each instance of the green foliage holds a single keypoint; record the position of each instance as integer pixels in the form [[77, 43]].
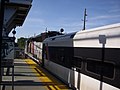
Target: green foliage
[[21, 42]]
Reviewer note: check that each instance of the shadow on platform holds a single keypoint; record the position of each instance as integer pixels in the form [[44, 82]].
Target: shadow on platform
[[30, 76]]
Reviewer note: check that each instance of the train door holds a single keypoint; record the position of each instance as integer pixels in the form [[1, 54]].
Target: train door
[[45, 53]]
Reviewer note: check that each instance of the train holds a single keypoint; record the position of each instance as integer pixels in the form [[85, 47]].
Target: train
[[85, 60]]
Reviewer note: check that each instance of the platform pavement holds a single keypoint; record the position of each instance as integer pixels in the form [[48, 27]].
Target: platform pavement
[[30, 76]]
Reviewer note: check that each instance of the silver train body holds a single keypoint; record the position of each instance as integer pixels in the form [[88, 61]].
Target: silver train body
[[85, 60]]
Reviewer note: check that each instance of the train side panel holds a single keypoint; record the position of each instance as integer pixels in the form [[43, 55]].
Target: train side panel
[[100, 49], [86, 60]]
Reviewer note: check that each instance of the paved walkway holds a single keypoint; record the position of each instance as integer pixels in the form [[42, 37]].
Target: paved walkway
[[29, 76]]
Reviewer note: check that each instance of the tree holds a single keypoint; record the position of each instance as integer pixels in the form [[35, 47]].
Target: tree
[[21, 42]]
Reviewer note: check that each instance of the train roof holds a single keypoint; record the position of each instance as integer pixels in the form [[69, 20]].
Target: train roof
[[108, 30], [61, 37], [102, 28]]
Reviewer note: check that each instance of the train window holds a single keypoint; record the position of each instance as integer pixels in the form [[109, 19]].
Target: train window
[[52, 54], [62, 58], [61, 54], [97, 67], [77, 62]]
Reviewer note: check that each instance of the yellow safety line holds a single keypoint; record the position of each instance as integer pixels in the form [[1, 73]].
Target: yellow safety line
[[42, 78], [52, 87], [57, 87], [40, 72]]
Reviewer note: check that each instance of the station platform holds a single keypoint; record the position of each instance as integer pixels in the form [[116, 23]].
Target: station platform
[[28, 75]]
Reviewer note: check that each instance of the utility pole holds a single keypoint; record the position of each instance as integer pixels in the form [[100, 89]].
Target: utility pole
[[85, 15]]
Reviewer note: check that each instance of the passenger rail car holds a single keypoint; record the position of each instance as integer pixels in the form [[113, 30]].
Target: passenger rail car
[[34, 49], [86, 60]]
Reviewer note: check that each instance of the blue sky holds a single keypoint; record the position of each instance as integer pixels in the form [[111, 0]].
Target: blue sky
[[68, 14]]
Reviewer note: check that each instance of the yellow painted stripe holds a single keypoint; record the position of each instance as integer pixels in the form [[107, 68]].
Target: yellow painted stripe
[[30, 62], [52, 87], [40, 72], [43, 78], [57, 87]]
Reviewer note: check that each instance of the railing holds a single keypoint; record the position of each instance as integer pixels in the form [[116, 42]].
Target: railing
[[7, 63]]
